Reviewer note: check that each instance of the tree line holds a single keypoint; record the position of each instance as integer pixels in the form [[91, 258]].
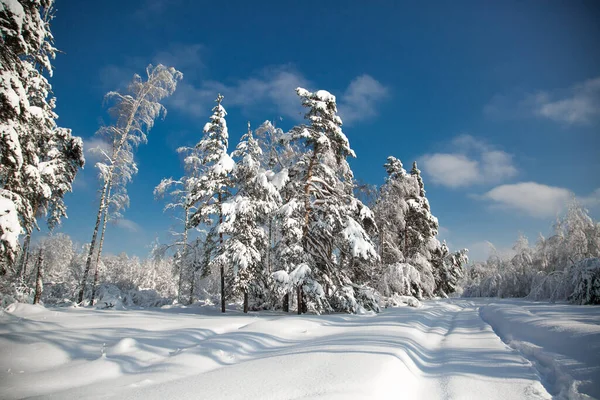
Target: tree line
[[279, 215], [562, 267]]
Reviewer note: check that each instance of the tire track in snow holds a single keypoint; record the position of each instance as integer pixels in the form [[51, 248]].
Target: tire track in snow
[[487, 357], [445, 379]]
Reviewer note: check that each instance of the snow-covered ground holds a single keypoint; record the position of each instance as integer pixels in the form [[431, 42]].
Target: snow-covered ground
[[442, 350]]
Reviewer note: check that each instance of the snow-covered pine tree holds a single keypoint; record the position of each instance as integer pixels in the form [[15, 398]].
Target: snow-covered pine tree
[[448, 269], [390, 211], [134, 113], [245, 216], [212, 187], [278, 155], [39, 160], [416, 173], [421, 226], [323, 219], [407, 233]]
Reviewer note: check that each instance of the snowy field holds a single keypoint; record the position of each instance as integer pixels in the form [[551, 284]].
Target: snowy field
[[442, 350]]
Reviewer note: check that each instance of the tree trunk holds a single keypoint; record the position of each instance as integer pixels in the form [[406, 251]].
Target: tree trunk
[[88, 262], [405, 238], [184, 257], [25, 256], [381, 239], [193, 282], [39, 284], [100, 245], [220, 248], [246, 301], [307, 208], [299, 294], [222, 289], [286, 302], [268, 261]]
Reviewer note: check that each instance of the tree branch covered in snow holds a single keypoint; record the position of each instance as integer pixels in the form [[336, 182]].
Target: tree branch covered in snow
[[39, 159]]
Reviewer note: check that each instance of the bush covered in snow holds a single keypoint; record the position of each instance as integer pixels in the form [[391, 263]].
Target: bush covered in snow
[[110, 296], [398, 301], [585, 276]]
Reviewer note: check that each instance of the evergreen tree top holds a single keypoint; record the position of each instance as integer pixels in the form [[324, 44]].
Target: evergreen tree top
[[394, 168], [416, 172], [325, 129]]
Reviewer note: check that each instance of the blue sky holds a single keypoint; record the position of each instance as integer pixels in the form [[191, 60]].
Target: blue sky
[[498, 101]]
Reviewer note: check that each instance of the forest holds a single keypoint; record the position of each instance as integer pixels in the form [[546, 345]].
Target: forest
[[277, 221], [266, 264]]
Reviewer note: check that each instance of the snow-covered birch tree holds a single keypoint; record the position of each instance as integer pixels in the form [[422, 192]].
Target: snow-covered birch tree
[[212, 188], [134, 113]]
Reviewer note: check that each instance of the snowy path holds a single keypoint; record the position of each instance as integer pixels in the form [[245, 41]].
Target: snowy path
[[443, 350]]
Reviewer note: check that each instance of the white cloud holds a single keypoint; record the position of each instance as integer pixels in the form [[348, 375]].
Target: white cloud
[[577, 105], [530, 198], [473, 162], [452, 170], [496, 166], [272, 90], [128, 225], [94, 148], [580, 106], [360, 99], [591, 201], [275, 86]]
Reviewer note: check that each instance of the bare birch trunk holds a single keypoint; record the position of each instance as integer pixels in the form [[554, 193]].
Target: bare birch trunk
[[117, 146], [88, 262], [100, 245]]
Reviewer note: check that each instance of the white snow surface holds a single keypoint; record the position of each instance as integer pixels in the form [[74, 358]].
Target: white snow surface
[[439, 350], [561, 340]]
